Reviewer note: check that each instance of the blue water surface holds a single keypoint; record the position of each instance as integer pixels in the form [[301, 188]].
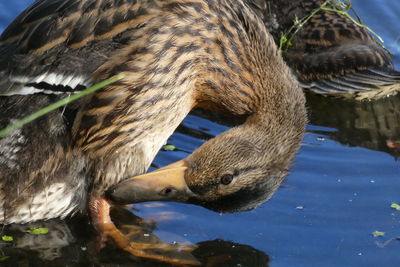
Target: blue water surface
[[338, 193]]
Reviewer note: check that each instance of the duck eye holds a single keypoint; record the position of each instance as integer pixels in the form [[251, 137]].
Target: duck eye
[[226, 179]]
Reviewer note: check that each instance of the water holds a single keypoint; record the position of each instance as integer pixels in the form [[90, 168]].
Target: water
[[340, 189]]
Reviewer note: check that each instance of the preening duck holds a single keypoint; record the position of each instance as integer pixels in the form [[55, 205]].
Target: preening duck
[[175, 55], [331, 55]]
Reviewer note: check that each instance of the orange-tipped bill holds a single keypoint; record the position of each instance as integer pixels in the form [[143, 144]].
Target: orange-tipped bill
[[165, 184]]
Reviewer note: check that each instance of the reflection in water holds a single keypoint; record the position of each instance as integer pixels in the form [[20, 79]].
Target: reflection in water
[[221, 253], [72, 243], [47, 246], [37, 250], [370, 124]]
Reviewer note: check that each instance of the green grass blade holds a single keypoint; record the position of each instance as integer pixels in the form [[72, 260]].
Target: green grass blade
[[59, 104], [341, 7]]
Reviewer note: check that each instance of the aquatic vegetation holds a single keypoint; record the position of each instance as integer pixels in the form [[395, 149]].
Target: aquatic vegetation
[[4, 258], [38, 231], [7, 238], [378, 234], [341, 7], [169, 147], [395, 206]]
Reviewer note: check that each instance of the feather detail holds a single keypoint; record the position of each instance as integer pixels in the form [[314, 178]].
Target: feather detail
[[47, 83], [330, 53], [365, 84]]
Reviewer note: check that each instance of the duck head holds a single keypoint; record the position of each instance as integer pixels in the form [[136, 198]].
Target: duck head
[[235, 171]]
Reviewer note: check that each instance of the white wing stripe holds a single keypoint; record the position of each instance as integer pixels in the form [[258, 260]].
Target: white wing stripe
[[52, 79]]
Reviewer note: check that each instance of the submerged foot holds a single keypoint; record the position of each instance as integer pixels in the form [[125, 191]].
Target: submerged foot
[[99, 208]]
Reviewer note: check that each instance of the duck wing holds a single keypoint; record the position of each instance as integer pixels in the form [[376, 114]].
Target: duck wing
[[330, 53], [58, 47], [52, 49], [49, 49]]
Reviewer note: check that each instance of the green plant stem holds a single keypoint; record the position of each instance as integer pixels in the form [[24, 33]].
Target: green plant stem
[[341, 8], [361, 25], [59, 104], [297, 26]]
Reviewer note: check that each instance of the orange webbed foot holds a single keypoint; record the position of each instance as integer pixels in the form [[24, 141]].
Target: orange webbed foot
[[99, 209]]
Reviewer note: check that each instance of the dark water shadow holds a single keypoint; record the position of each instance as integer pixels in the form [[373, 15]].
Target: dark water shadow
[[371, 124], [71, 243]]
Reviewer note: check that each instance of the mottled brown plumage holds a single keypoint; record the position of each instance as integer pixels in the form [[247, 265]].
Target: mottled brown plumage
[[176, 54], [330, 53]]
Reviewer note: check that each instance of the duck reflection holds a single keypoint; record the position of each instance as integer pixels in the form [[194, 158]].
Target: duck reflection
[[71, 243], [47, 246], [370, 124], [222, 253]]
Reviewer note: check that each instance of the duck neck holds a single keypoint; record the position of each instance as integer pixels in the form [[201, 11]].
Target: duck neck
[[278, 124], [259, 85], [281, 105]]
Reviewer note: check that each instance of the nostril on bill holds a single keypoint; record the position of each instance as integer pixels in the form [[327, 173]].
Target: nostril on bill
[[167, 191], [113, 195]]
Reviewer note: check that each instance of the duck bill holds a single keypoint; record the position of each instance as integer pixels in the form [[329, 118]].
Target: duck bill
[[165, 184]]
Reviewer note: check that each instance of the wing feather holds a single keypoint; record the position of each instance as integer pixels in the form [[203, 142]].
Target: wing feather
[[330, 53], [55, 46]]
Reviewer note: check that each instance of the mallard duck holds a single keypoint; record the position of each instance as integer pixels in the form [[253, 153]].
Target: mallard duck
[[330, 55], [175, 55]]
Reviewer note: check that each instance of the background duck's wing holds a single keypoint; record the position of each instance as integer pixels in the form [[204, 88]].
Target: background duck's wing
[[330, 53], [364, 84]]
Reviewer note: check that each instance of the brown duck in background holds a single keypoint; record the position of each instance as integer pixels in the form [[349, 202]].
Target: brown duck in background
[[331, 55], [176, 55]]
